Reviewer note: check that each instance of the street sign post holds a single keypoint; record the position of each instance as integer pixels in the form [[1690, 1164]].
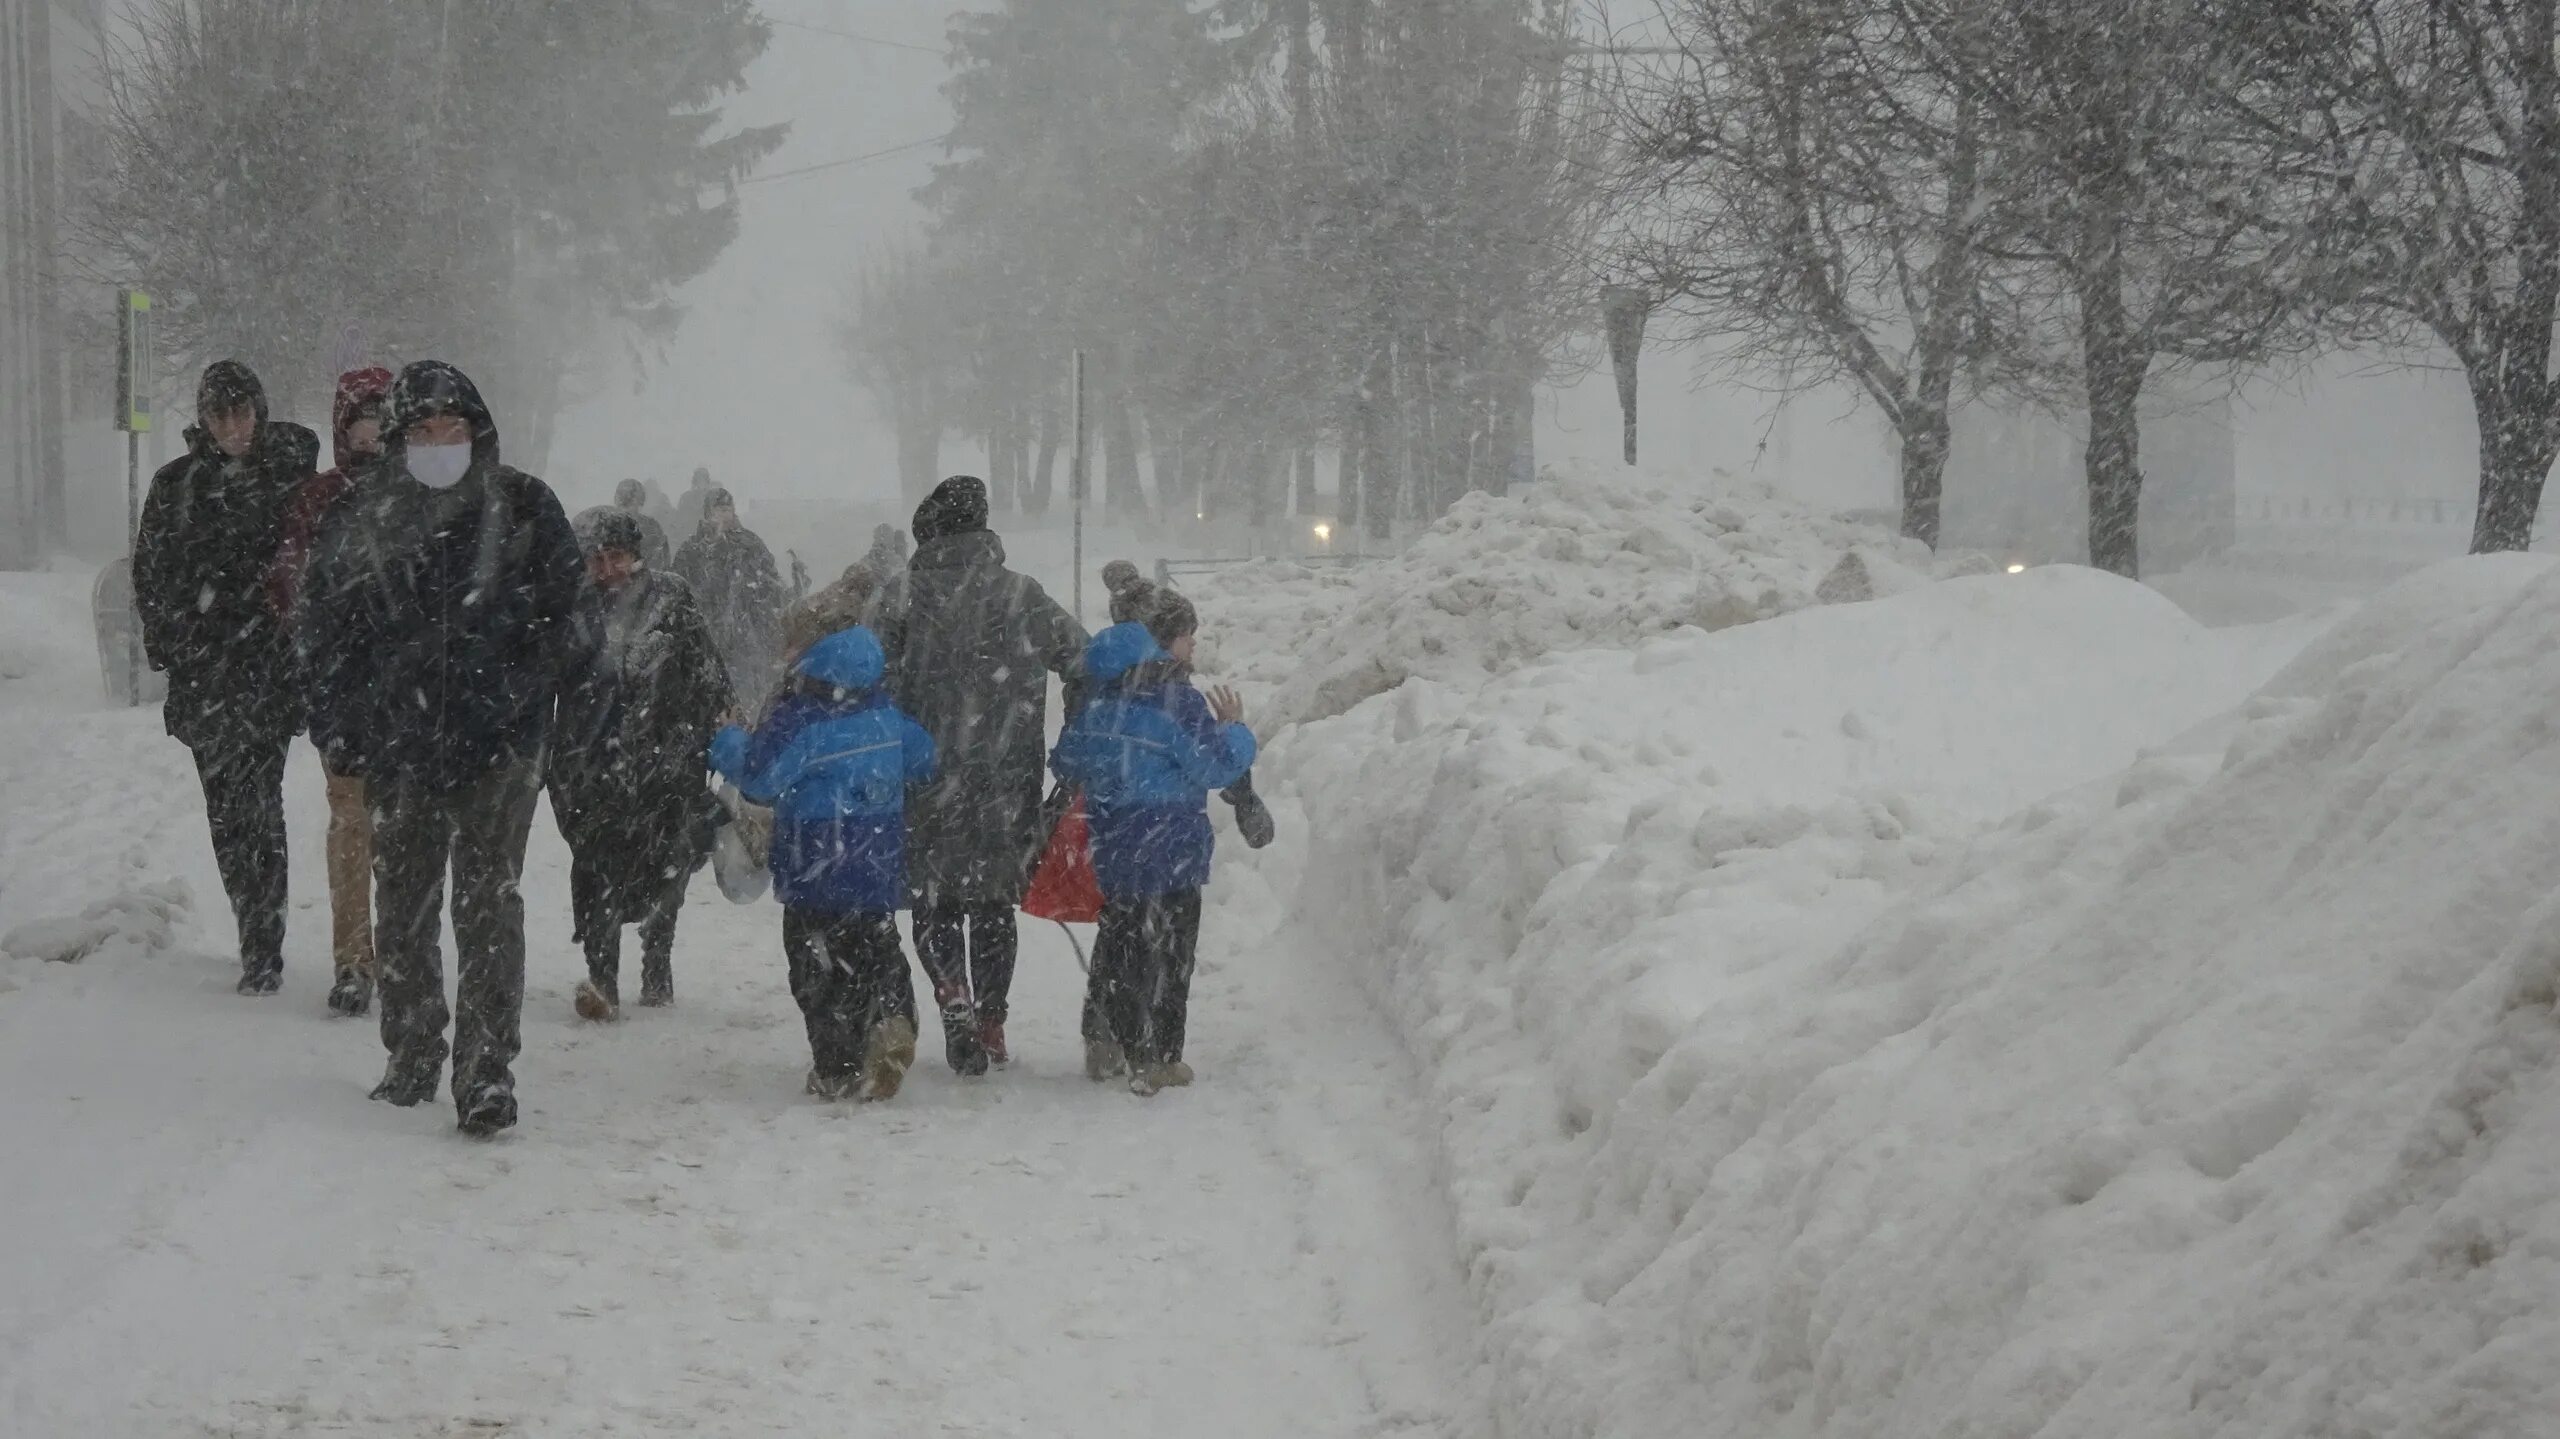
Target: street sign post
[[133, 416]]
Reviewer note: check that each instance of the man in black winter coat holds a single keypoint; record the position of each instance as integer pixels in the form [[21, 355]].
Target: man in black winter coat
[[628, 762], [439, 611], [209, 535], [740, 590], [971, 646]]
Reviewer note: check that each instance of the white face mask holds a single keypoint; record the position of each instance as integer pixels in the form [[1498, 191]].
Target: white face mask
[[440, 467]]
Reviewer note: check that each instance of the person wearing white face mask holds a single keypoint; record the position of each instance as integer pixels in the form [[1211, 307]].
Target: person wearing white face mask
[[440, 607]]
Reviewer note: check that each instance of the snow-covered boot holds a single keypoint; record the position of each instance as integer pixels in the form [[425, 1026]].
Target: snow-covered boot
[[1174, 1074], [597, 1002], [353, 993], [1104, 1059], [991, 1039], [887, 1053], [487, 1113], [409, 1083], [260, 980], [1146, 1080], [657, 982], [960, 1042]]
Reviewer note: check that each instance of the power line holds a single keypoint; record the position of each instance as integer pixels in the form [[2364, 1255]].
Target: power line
[[847, 160], [856, 35]]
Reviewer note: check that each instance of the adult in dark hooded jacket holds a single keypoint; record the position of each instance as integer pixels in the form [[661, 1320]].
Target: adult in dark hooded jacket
[[439, 630], [627, 763], [631, 497], [210, 532], [734, 578], [971, 646], [358, 419]]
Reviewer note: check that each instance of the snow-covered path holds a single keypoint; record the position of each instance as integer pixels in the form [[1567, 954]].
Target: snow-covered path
[[210, 1230]]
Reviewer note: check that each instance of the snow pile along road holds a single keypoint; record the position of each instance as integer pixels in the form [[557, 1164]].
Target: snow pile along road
[[1584, 558], [2212, 1096]]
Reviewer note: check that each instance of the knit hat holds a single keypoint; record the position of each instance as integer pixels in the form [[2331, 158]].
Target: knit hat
[[717, 499], [614, 530], [227, 385], [957, 506], [1170, 617]]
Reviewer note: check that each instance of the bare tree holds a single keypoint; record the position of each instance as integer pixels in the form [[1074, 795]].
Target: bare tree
[[2438, 127], [1806, 194], [2147, 215]]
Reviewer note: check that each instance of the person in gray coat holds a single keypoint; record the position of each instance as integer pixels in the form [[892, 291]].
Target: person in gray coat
[[971, 645]]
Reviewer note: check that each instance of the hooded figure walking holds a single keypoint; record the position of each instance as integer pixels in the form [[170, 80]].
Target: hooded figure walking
[[209, 536], [358, 418], [740, 590], [631, 497], [971, 645], [627, 763], [439, 612]]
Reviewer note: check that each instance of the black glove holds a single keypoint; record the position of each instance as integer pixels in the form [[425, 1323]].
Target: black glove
[[1253, 817]]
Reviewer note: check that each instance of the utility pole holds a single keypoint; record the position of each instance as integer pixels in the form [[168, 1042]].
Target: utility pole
[[1078, 471], [133, 416]]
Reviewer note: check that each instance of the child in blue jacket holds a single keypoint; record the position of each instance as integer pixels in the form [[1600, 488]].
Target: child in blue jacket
[[834, 759], [1146, 750]]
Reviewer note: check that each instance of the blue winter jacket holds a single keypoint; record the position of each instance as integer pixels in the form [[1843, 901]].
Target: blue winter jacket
[[834, 760], [1146, 754]]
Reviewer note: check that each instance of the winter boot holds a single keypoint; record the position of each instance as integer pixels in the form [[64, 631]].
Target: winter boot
[[960, 1042], [1253, 817], [887, 1052], [353, 993], [260, 980], [409, 1083], [598, 1002], [1174, 1074], [834, 1084], [657, 982], [991, 1039], [1146, 1080], [1104, 1059], [487, 1113]]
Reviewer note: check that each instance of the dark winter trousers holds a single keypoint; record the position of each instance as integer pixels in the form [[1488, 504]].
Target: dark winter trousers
[[600, 922], [968, 953], [848, 974], [244, 799], [480, 832], [1140, 988]]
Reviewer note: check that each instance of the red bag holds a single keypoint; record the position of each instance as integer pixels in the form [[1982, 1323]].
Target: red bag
[[1063, 886]]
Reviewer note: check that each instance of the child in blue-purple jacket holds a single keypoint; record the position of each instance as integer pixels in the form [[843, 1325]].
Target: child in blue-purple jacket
[[834, 760], [1147, 748]]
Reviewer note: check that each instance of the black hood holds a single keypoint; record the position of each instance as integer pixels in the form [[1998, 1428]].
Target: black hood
[[957, 506], [224, 385], [428, 388]]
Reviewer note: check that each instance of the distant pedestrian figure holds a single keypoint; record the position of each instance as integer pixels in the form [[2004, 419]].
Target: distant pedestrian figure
[[971, 645], [627, 766], [202, 560], [359, 417], [734, 579]]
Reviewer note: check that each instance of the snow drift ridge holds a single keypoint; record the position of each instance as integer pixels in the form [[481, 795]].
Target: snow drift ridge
[[2213, 1098]]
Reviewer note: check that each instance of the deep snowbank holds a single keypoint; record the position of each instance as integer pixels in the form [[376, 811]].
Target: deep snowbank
[[2211, 1097], [1587, 557]]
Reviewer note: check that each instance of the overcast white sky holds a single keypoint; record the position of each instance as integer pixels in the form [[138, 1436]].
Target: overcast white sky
[[753, 387]]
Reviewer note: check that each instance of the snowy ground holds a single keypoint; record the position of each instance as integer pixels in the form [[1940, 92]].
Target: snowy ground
[[2016, 1005], [211, 1231]]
